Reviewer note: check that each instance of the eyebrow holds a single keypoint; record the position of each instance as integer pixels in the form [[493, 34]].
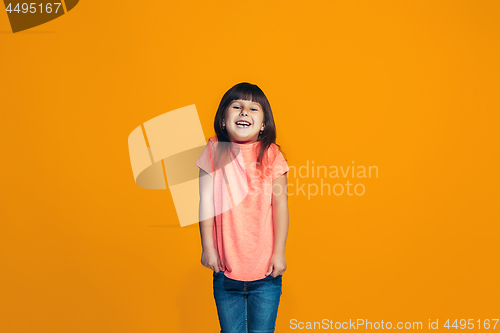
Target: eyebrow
[[254, 103]]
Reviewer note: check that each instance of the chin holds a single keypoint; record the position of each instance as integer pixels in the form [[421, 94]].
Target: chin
[[243, 138]]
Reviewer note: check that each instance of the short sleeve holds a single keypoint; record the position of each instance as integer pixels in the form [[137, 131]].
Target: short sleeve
[[279, 166], [205, 160]]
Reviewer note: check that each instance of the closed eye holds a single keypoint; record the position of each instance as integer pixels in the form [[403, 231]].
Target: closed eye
[[253, 109]]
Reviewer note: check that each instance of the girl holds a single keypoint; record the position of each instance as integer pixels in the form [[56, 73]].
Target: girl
[[244, 211]]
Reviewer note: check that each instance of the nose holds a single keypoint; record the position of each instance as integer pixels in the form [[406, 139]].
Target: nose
[[243, 112]]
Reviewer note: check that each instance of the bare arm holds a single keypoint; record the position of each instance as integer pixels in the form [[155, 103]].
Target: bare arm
[[206, 212], [280, 213], [210, 257], [280, 217]]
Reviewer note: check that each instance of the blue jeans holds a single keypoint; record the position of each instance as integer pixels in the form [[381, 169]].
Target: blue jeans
[[247, 307]]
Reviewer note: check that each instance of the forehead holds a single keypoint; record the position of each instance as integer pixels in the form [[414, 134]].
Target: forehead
[[244, 101]]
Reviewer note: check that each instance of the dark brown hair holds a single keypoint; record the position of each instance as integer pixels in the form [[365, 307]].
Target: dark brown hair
[[249, 92]]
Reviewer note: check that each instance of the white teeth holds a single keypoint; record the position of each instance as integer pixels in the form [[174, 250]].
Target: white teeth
[[242, 123]]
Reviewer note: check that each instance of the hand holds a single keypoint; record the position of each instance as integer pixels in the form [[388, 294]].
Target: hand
[[277, 266], [210, 259]]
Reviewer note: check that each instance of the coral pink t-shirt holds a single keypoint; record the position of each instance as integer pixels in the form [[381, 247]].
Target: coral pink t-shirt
[[243, 227]]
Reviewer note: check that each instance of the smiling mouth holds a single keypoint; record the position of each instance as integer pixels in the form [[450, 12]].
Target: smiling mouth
[[242, 124]]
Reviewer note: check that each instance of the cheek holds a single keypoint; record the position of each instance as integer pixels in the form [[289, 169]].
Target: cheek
[[231, 115], [258, 118], [227, 118], [260, 121]]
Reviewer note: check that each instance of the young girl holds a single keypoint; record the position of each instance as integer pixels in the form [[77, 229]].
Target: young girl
[[244, 211]]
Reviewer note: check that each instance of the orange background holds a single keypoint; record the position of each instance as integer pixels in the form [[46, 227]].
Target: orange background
[[411, 87]]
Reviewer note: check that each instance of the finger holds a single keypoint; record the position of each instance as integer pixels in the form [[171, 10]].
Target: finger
[[220, 265]]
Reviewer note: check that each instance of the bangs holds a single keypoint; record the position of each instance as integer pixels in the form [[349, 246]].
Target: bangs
[[247, 93]]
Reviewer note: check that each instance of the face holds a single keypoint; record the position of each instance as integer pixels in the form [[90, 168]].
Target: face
[[247, 112]]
